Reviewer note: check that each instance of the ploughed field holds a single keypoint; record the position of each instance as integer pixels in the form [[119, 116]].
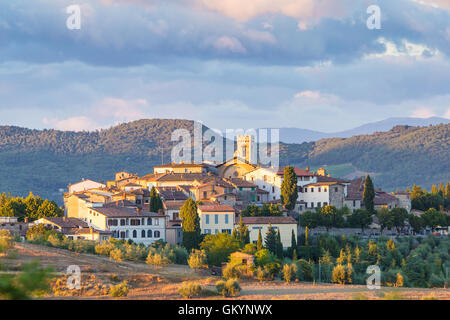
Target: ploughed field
[[98, 273]]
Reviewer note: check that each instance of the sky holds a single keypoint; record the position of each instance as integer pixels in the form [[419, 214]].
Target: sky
[[310, 64]]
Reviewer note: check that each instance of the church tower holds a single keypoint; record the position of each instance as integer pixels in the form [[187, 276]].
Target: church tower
[[246, 148]]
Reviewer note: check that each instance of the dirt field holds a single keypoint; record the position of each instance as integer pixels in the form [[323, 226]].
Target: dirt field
[[98, 273]]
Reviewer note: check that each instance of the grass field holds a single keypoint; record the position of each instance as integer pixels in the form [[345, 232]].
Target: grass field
[[99, 273]]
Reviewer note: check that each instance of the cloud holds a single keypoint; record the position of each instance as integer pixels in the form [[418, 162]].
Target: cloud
[[81, 123], [310, 11], [229, 44], [109, 111], [447, 114], [423, 112]]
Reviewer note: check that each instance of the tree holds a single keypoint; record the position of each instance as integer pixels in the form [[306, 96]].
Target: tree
[[157, 260], [242, 233], [399, 217], [447, 190], [309, 219], [434, 189], [279, 245], [155, 200], [385, 219], [191, 225], [259, 244], [289, 191], [330, 217], [369, 195], [198, 259], [49, 209], [270, 242], [218, 247], [293, 243], [433, 218], [361, 218], [416, 222]]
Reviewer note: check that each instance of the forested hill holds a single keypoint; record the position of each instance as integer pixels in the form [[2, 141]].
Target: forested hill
[[44, 161]]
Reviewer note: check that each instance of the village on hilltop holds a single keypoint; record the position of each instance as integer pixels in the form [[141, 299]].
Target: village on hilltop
[[121, 208]]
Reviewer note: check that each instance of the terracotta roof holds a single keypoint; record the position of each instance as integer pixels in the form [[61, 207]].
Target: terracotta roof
[[298, 172], [171, 193], [123, 212], [267, 220], [85, 231], [241, 183], [173, 204], [64, 222], [131, 184], [261, 191], [183, 165], [330, 179], [319, 184], [382, 198], [215, 208]]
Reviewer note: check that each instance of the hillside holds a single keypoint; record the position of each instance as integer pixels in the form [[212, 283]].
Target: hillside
[[297, 135], [45, 161]]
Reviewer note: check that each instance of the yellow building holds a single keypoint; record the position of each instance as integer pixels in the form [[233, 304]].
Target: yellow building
[[285, 224], [216, 218]]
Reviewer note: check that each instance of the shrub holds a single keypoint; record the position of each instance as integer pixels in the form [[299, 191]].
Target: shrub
[[54, 240], [104, 248], [232, 271], [436, 281], [157, 260], [190, 289], [119, 290], [116, 255], [306, 271], [5, 240], [261, 274], [229, 288], [198, 259], [289, 272]]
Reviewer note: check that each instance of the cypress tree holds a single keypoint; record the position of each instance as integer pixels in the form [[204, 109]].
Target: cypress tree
[[259, 244], [289, 192], [190, 225], [293, 244], [155, 200], [434, 189], [447, 191], [369, 195], [279, 246], [442, 190], [270, 242]]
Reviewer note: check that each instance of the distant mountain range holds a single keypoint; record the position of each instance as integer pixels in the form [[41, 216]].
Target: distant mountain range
[[46, 161], [297, 135]]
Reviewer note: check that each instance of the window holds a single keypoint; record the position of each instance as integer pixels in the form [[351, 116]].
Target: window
[[325, 204], [134, 234], [138, 201], [216, 231], [319, 204], [319, 189], [143, 234], [325, 189], [273, 189], [122, 234], [205, 194], [156, 222], [123, 222], [226, 231], [149, 233], [336, 189], [312, 189], [240, 188], [216, 218], [354, 203], [207, 231], [226, 218], [305, 190], [149, 221], [207, 218], [312, 204], [135, 222], [157, 234]]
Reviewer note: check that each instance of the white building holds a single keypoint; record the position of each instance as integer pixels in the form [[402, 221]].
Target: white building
[[84, 185], [270, 180]]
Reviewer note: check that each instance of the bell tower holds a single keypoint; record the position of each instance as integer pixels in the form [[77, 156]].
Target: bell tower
[[246, 148]]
